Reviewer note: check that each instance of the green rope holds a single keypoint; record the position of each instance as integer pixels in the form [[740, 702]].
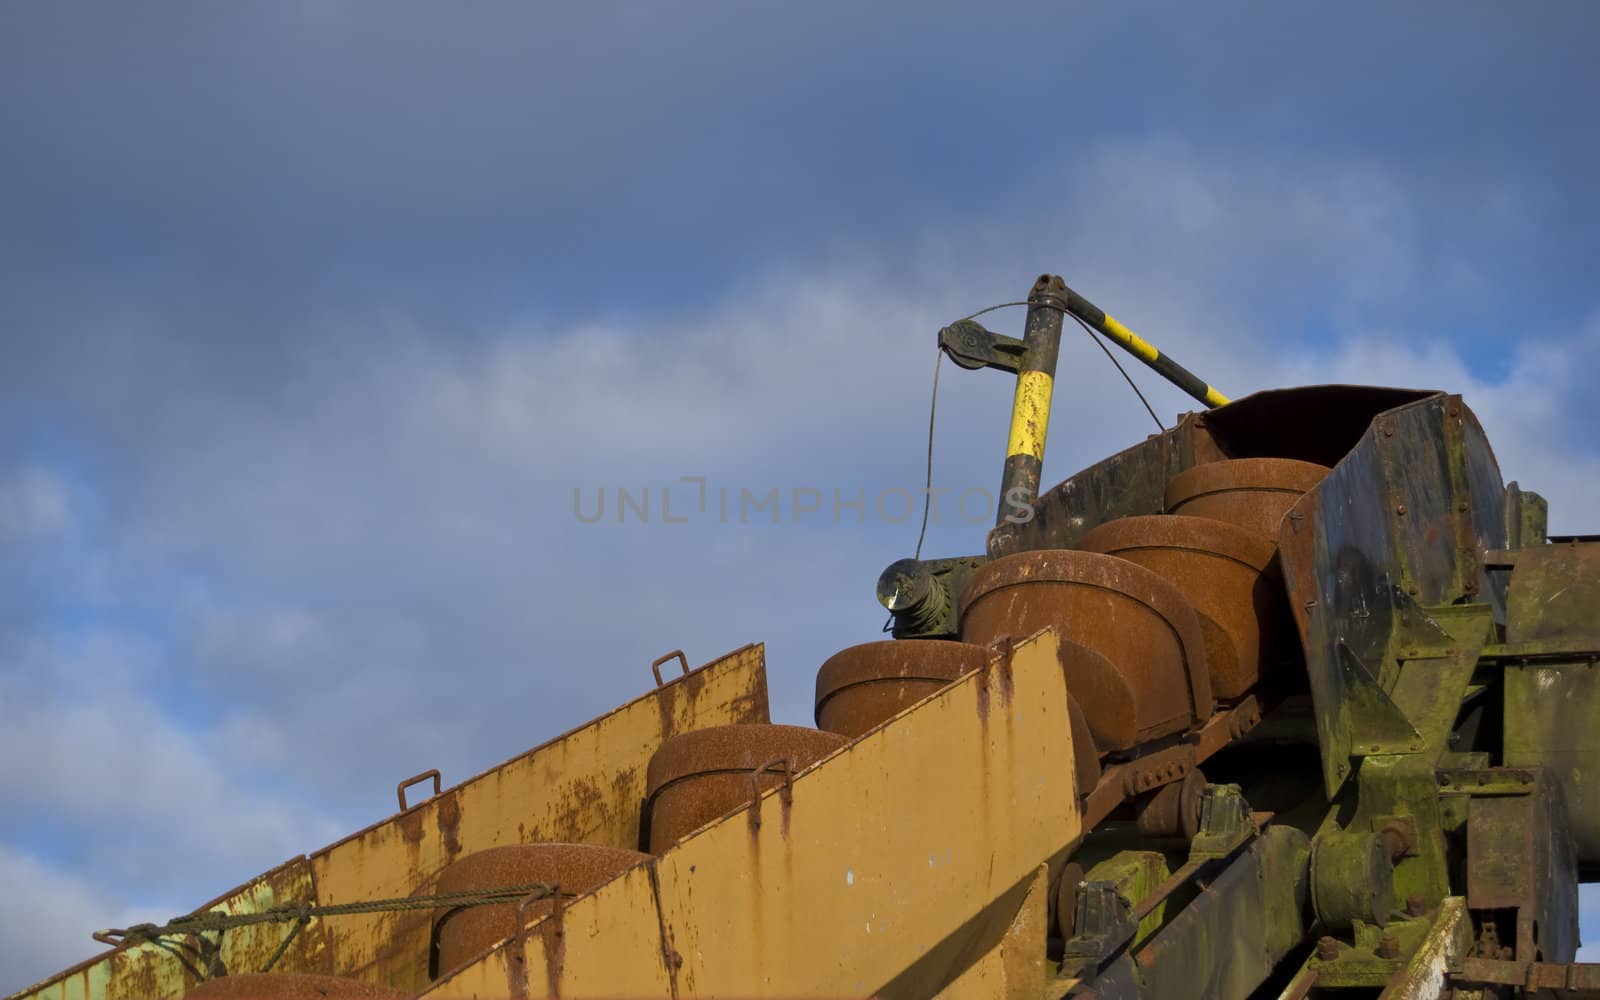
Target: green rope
[[301, 914]]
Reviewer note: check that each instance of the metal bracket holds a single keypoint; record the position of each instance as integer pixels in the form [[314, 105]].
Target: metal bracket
[[1104, 924], [972, 347], [676, 654], [416, 779], [1225, 823]]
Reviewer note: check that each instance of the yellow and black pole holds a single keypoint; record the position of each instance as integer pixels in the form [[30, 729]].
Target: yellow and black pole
[[1142, 349], [1030, 408]]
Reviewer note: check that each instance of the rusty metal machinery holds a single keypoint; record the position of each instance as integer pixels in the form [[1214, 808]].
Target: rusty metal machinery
[[1295, 698]]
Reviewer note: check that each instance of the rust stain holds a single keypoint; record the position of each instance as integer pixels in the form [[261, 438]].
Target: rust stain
[[666, 704], [449, 820], [670, 959], [983, 693], [755, 892], [517, 968], [553, 938], [693, 683], [410, 825], [1004, 667], [136, 973]]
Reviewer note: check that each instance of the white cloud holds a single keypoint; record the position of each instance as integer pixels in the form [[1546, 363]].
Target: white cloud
[[49, 914], [34, 503], [1533, 415], [130, 783]]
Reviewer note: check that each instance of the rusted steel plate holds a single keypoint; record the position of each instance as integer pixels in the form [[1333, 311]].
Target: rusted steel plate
[[1520, 855], [1319, 423], [1554, 592], [1199, 951], [582, 787], [290, 986], [1426, 974], [1226, 572], [145, 972], [696, 777], [1312, 423], [1130, 482], [1552, 693], [1398, 525], [1570, 981], [1145, 675], [887, 869], [861, 687], [1251, 493]]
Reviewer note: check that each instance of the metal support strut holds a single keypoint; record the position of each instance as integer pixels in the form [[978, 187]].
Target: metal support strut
[[1030, 409], [1142, 349]]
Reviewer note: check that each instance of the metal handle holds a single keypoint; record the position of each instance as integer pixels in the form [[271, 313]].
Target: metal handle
[[655, 668], [786, 793], [551, 892], [400, 790]]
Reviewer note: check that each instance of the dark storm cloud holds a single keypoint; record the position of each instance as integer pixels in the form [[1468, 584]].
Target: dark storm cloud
[[279, 157]]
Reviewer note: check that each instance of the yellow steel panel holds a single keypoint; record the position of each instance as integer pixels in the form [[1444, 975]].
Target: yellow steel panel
[[584, 787], [1015, 968], [617, 932], [899, 860]]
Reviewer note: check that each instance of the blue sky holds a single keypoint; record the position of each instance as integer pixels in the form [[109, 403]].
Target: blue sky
[[314, 315]]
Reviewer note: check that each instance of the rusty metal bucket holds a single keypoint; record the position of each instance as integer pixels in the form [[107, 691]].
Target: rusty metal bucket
[[1226, 572], [862, 686], [289, 986], [696, 777], [462, 933], [1253, 493], [1132, 647]]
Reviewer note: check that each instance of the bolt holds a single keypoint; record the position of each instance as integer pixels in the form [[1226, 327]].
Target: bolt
[[1388, 947], [1416, 906], [1462, 505], [1327, 949], [1401, 509]]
